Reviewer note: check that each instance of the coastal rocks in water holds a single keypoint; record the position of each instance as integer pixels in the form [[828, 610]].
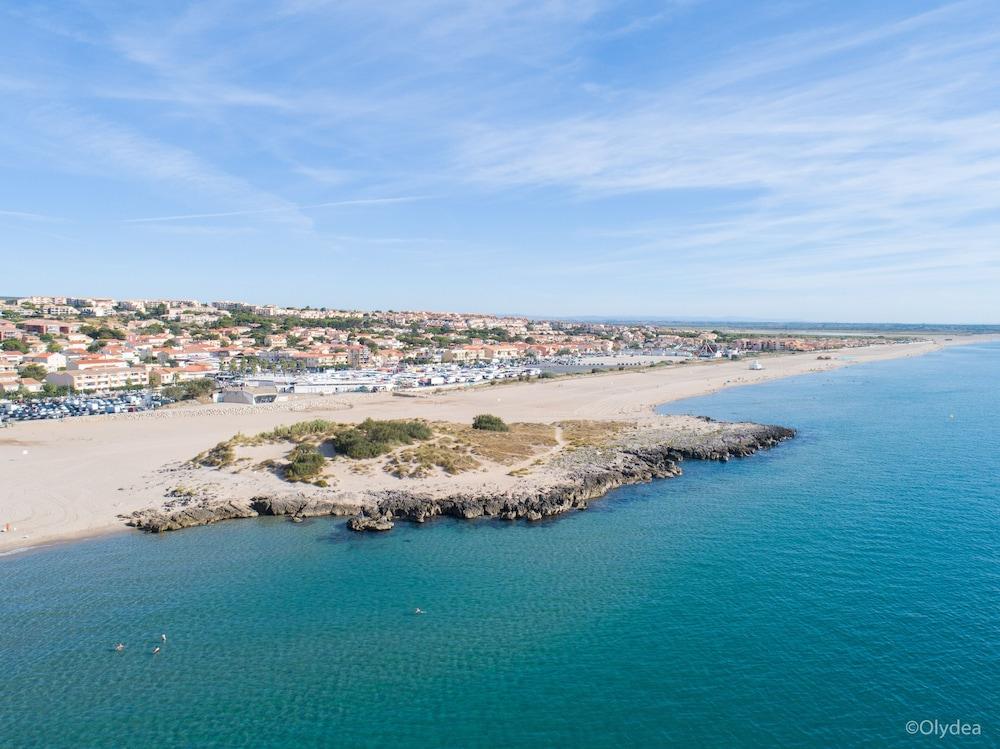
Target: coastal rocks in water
[[205, 513], [208, 511], [301, 507], [365, 522], [590, 473]]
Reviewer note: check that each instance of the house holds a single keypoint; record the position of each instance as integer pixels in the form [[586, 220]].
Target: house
[[7, 330], [501, 352], [174, 375], [543, 350], [52, 361], [390, 357], [191, 372], [31, 385], [195, 353], [166, 375], [9, 382]]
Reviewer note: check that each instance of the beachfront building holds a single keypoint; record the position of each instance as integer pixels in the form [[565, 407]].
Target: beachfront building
[[251, 396], [100, 378]]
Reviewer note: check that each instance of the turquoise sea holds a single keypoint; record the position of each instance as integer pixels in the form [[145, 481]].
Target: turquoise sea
[[822, 594]]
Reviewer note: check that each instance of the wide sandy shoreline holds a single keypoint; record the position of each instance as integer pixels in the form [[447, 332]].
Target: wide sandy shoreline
[[71, 479]]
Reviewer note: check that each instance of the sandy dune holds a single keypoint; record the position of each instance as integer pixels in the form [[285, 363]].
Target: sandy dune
[[72, 478]]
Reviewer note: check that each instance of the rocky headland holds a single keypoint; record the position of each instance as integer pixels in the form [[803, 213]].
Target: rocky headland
[[572, 476]]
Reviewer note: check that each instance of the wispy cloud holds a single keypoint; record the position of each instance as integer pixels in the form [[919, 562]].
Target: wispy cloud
[[26, 216], [279, 209], [601, 144], [92, 144], [876, 157]]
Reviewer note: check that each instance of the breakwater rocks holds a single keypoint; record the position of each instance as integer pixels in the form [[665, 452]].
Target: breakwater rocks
[[590, 473], [206, 511]]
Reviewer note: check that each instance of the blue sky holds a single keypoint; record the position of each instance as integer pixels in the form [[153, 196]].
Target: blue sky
[[787, 160]]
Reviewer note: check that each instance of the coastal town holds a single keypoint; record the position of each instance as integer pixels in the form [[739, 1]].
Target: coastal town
[[499, 375], [56, 347]]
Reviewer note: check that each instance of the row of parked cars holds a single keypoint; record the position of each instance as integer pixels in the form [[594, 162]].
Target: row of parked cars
[[79, 405]]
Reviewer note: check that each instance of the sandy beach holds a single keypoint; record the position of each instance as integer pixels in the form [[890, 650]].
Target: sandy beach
[[74, 477]]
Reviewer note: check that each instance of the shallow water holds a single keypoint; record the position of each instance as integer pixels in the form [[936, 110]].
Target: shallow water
[[821, 594]]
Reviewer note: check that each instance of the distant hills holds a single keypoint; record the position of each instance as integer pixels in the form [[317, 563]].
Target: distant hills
[[791, 325]]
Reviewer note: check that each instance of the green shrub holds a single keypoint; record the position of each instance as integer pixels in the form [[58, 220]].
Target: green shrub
[[371, 438], [12, 344], [33, 371], [190, 389], [490, 423], [305, 463]]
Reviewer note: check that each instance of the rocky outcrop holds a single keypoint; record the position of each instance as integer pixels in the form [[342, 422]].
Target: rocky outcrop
[[201, 513], [650, 451], [208, 511], [638, 459], [369, 522], [301, 507]]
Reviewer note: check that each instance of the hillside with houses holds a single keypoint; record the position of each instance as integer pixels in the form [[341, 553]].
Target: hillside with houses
[[55, 346]]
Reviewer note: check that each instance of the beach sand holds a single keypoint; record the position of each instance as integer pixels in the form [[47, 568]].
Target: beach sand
[[72, 478]]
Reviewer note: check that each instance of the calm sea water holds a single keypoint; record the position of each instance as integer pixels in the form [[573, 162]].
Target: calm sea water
[[818, 595]]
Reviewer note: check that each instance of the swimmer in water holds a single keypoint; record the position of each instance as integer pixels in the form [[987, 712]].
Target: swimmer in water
[[163, 638], [156, 650], [120, 647], [418, 611]]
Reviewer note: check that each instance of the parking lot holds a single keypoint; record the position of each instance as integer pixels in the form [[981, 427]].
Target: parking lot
[[79, 405]]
